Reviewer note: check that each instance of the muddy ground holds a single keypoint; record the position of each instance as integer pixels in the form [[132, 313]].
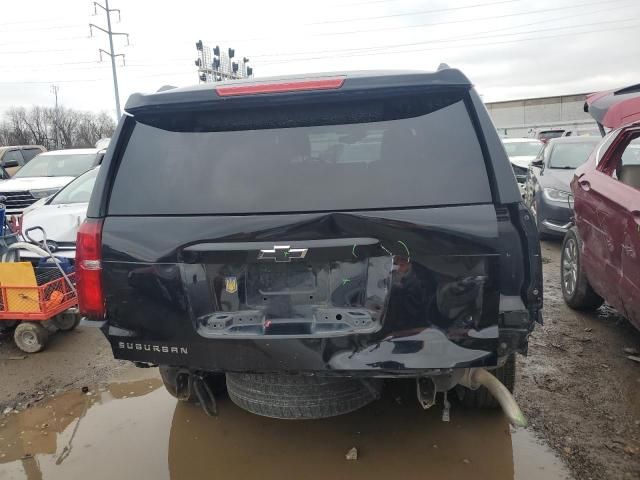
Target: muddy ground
[[580, 392], [577, 386]]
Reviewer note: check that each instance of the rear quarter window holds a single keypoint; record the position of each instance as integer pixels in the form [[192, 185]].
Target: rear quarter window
[[400, 156]]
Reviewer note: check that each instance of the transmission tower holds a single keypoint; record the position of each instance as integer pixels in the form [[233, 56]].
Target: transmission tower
[[111, 52]]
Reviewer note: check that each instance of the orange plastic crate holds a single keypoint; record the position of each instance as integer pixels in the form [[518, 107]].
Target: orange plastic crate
[[37, 303]]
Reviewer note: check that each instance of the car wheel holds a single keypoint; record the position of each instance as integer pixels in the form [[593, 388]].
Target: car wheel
[[299, 396], [30, 337], [176, 382], [67, 321], [482, 398], [576, 289]]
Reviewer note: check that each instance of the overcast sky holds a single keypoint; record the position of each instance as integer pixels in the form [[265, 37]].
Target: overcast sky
[[510, 49]]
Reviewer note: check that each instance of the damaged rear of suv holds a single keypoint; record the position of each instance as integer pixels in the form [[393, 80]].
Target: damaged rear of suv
[[301, 239]]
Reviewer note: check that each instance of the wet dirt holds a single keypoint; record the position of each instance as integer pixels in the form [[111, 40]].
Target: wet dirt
[[71, 359], [577, 386], [134, 429]]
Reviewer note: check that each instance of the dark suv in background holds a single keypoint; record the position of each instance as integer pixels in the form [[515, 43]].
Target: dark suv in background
[[323, 233]]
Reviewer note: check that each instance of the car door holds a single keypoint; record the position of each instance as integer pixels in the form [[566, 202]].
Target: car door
[[625, 161], [597, 208]]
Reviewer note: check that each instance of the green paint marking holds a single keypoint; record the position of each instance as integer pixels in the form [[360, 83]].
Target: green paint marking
[[406, 248], [345, 281]]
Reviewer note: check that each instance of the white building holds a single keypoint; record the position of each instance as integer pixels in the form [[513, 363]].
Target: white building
[[523, 118]]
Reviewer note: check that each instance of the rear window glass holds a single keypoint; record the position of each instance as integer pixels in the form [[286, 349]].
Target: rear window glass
[[429, 159]]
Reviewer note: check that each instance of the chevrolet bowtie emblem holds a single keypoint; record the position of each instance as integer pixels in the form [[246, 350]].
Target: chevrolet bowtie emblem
[[282, 254]]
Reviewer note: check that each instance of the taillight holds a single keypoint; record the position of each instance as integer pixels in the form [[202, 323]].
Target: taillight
[[89, 268], [280, 87]]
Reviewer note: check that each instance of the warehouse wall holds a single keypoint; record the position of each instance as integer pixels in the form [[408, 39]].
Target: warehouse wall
[[524, 117]]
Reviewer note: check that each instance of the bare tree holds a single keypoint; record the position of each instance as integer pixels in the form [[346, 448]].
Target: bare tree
[[37, 126]]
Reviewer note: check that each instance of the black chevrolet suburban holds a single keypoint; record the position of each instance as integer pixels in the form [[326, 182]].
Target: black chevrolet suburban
[[300, 239]]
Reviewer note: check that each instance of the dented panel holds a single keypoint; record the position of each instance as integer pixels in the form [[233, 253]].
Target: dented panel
[[378, 291]]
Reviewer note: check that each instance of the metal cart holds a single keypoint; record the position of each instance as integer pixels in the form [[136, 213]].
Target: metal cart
[[43, 304]]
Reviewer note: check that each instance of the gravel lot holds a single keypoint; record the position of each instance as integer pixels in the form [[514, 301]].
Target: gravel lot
[[578, 389]]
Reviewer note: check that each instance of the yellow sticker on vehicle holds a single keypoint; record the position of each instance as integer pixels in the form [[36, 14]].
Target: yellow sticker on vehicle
[[231, 284]]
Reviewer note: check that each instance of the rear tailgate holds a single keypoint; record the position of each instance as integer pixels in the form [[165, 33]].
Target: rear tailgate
[[356, 233]]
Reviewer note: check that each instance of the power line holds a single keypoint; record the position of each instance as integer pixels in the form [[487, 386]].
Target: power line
[[473, 36], [431, 24], [38, 29], [479, 35], [439, 40], [422, 12], [60, 39], [23, 22], [472, 45]]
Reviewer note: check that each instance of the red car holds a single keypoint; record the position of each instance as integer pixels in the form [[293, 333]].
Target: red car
[[601, 254]]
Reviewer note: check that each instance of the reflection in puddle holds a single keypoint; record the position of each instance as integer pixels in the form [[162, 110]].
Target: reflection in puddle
[[134, 429]]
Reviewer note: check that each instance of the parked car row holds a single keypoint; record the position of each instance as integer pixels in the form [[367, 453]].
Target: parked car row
[[599, 258], [586, 190], [51, 191]]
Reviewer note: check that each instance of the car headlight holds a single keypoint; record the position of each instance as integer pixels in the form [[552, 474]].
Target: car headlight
[[554, 195], [43, 193]]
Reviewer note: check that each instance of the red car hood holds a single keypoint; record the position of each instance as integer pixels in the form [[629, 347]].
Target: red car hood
[[615, 108]]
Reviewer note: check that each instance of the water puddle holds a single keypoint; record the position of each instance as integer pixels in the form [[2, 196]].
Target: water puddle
[[134, 429]]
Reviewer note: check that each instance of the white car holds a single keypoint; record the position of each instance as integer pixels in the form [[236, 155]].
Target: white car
[[60, 216], [521, 152], [44, 175]]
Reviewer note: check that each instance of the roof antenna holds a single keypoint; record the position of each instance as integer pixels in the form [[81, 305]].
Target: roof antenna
[[166, 87], [443, 66]]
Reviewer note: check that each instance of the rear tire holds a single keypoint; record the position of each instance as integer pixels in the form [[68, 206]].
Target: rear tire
[[176, 382], [30, 337], [299, 397], [67, 321], [576, 289], [482, 398]]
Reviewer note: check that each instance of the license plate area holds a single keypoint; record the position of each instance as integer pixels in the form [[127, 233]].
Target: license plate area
[[266, 280], [300, 299]]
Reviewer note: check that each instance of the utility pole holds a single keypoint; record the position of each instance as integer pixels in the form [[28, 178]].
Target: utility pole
[[111, 52], [54, 90]]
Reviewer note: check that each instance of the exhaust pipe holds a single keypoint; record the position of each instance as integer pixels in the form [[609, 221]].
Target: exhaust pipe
[[475, 378]]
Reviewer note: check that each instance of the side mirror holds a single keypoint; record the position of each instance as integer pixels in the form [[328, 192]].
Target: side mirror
[[538, 162]]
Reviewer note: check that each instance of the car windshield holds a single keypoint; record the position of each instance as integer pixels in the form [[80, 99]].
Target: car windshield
[[78, 191], [523, 149], [570, 155], [59, 165]]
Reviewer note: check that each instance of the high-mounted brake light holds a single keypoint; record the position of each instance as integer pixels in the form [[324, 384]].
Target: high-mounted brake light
[[280, 87], [89, 269]]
